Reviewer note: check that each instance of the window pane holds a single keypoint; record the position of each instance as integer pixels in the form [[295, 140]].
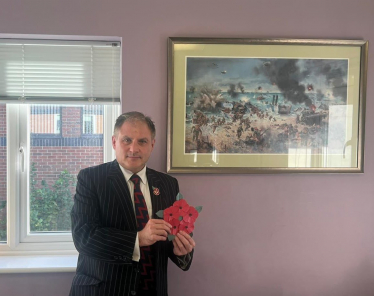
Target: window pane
[[45, 119], [60, 147], [93, 120], [3, 174]]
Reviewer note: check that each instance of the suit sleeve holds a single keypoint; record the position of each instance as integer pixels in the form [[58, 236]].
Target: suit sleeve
[[90, 237], [183, 262]]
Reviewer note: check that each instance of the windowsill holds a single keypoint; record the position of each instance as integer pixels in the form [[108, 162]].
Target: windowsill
[[38, 263]]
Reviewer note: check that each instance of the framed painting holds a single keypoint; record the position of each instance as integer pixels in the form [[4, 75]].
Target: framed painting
[[266, 105]]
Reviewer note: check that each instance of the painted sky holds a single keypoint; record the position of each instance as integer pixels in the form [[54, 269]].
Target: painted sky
[[288, 76]]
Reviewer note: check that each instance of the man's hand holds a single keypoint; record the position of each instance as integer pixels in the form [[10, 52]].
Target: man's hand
[[155, 230], [183, 243]]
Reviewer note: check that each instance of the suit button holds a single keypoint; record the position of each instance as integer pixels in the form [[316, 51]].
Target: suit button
[[120, 257], [115, 258], [133, 292]]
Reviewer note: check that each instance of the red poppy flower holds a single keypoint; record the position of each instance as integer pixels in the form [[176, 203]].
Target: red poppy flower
[[174, 226], [186, 227], [183, 207], [191, 215], [171, 213]]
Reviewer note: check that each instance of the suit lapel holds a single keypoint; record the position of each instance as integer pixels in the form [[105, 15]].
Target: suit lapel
[[122, 193], [154, 183], [158, 203], [123, 196]]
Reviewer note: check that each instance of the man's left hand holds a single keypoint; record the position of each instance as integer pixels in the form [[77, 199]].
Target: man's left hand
[[183, 244]]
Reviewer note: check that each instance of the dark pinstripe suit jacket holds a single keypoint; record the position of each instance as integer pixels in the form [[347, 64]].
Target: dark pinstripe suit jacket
[[104, 232]]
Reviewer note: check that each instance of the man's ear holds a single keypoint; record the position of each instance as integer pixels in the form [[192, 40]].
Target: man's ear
[[153, 143], [114, 142]]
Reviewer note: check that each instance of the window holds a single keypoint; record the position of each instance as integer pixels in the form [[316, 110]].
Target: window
[[92, 120], [45, 120], [89, 126], [59, 98], [57, 123]]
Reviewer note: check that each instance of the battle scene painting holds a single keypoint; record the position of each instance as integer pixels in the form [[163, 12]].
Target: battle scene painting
[[257, 105]]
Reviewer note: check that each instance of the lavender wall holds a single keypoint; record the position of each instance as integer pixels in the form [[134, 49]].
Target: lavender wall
[[258, 234]]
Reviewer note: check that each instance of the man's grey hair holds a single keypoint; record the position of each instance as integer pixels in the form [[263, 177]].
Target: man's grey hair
[[134, 116]]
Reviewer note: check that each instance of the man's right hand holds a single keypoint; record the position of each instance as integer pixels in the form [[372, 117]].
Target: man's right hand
[[155, 230]]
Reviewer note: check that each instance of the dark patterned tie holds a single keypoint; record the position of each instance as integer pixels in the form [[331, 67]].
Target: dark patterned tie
[[142, 217]]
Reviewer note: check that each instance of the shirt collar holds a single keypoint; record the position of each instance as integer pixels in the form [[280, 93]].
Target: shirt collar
[[142, 174]]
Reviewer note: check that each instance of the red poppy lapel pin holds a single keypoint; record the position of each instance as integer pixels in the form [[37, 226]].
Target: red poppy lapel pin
[[181, 216], [156, 191]]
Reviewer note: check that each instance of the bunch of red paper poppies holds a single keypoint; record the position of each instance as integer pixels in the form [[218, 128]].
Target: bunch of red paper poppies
[[181, 216]]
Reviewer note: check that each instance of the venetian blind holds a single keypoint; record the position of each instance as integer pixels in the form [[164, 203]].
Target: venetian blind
[[60, 71]]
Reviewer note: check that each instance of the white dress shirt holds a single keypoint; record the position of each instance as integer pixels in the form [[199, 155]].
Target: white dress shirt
[[147, 196]]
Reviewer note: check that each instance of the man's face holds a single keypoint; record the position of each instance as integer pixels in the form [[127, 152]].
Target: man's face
[[133, 145]]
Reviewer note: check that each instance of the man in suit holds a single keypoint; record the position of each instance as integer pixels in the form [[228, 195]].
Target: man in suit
[[122, 250]]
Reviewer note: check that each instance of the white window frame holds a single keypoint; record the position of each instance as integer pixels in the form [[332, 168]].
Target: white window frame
[[40, 252], [93, 121], [20, 241], [56, 126]]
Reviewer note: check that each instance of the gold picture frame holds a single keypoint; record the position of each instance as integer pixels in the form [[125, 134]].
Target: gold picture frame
[[266, 105]]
